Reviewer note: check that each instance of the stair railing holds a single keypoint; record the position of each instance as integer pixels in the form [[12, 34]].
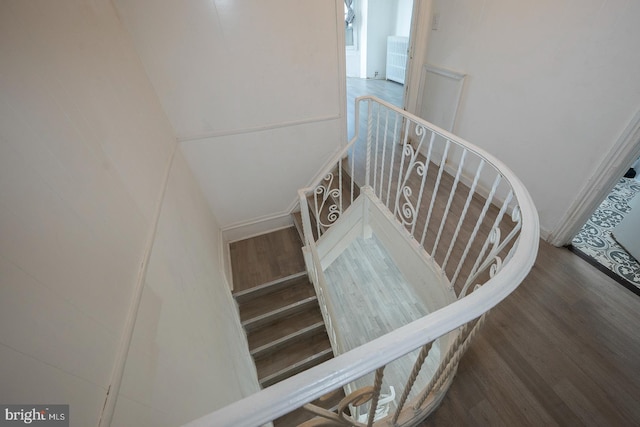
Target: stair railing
[[461, 208]]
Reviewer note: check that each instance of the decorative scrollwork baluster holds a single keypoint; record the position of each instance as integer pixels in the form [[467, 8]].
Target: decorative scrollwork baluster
[[327, 201], [406, 210]]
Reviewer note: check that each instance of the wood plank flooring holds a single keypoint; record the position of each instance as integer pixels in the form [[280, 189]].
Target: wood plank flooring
[[562, 350], [372, 298], [266, 258]]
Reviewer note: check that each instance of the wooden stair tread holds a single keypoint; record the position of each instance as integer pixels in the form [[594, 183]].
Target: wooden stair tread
[[296, 368], [282, 319], [297, 291], [269, 317], [294, 358], [287, 340], [267, 288], [284, 326]]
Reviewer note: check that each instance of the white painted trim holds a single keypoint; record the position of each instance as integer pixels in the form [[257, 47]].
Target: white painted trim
[[257, 227], [240, 333], [616, 162], [132, 314], [418, 42], [450, 74], [262, 233], [340, 235], [260, 128], [454, 75], [225, 261], [363, 18]]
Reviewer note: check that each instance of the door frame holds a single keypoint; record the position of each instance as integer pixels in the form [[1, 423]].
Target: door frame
[[624, 152], [417, 57]]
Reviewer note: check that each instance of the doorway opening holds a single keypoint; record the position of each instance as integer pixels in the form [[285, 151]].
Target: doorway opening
[[376, 45], [607, 239], [607, 175]]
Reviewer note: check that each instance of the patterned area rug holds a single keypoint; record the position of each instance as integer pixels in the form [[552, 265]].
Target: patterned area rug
[[595, 243]]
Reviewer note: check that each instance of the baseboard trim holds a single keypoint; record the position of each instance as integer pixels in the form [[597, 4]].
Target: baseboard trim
[[257, 227], [225, 261]]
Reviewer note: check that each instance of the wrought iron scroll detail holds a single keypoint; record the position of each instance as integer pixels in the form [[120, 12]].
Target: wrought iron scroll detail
[[406, 210], [327, 202], [493, 261]]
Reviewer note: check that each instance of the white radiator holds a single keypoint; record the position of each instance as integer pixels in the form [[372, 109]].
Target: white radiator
[[397, 58]]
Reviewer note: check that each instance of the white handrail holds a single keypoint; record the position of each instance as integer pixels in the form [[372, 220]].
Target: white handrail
[[285, 396]]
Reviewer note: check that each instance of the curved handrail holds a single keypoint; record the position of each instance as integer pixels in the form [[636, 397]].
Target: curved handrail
[[294, 392]]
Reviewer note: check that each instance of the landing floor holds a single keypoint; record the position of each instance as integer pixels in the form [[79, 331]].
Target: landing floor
[[265, 258], [372, 298]]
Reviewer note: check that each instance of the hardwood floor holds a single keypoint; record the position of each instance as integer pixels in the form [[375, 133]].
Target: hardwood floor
[[387, 90], [563, 349], [372, 298], [265, 258]]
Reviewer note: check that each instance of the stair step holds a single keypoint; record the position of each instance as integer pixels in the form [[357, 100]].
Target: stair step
[[282, 318], [287, 340], [297, 290], [284, 326], [291, 355], [269, 317], [293, 359], [267, 288]]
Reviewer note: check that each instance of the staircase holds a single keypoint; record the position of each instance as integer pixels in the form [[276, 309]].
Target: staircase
[[284, 327], [282, 319], [465, 234]]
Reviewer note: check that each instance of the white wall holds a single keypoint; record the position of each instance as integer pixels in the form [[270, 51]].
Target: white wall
[[376, 20], [403, 18], [353, 54], [551, 85], [231, 73], [84, 151], [353, 63], [188, 353], [381, 21]]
